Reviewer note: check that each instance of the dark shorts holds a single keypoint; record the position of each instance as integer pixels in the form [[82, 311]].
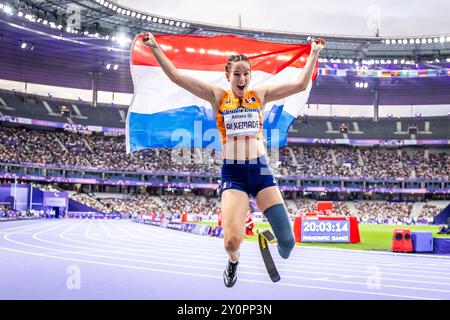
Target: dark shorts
[[250, 176]]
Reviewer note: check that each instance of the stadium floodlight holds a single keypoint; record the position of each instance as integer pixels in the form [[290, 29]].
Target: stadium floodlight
[[346, 61], [114, 8], [350, 61], [171, 23], [448, 59], [338, 60], [119, 10], [424, 41], [1, 5], [143, 17], [377, 62], [108, 66], [110, 6], [128, 12], [405, 41], [389, 61], [411, 41], [133, 14], [395, 61], [357, 84], [417, 41], [106, 4], [138, 16], [86, 33], [387, 41], [382, 61], [122, 40], [448, 39], [402, 61], [177, 24], [325, 60], [45, 22], [23, 45], [116, 67], [183, 25], [356, 63], [437, 60], [160, 20], [435, 40], [20, 14], [7, 10], [430, 40], [155, 19], [393, 41], [366, 85]]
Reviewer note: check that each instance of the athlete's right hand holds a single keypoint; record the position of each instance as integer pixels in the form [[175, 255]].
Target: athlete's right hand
[[149, 39]]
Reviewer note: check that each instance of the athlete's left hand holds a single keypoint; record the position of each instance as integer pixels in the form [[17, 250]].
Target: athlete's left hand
[[317, 45]]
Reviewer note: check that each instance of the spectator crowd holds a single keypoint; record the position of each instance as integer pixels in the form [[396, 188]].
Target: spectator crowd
[[108, 152]]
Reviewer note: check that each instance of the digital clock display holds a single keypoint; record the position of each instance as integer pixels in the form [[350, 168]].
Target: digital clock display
[[325, 231]]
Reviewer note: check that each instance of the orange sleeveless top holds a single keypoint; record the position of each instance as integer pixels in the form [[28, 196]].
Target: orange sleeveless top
[[239, 118]]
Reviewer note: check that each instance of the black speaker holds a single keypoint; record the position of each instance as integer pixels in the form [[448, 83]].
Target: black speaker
[[65, 111], [412, 130], [343, 128]]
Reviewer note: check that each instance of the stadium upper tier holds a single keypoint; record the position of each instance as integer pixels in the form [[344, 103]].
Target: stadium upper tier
[[43, 45], [41, 108]]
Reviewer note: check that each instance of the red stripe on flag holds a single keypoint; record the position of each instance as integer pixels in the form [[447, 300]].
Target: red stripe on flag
[[211, 54]]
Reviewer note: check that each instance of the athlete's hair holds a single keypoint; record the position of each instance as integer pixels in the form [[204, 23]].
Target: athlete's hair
[[235, 58]]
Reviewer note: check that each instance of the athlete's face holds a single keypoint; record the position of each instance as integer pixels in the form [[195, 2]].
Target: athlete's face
[[239, 77]]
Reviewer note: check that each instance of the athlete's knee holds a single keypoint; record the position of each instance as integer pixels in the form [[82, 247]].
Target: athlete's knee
[[232, 243]]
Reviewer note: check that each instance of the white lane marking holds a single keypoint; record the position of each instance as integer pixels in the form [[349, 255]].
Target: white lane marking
[[197, 267], [219, 277], [71, 228]]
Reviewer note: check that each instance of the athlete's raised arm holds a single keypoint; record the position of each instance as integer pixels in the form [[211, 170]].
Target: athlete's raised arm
[[197, 87], [283, 90]]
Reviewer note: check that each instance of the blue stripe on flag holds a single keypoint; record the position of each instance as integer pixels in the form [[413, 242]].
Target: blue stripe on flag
[[276, 125], [185, 127], [195, 126]]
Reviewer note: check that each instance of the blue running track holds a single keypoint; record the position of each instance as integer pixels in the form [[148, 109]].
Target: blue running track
[[103, 259]]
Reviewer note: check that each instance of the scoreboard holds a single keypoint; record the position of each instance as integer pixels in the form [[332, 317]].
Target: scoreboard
[[315, 228]]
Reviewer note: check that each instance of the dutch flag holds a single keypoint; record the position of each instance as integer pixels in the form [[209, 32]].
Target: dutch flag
[[164, 115]]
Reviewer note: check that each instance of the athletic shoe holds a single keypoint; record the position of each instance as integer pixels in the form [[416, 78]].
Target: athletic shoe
[[230, 273]]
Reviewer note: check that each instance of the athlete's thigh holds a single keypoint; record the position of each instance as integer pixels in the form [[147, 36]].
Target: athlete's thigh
[[234, 207], [268, 197]]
